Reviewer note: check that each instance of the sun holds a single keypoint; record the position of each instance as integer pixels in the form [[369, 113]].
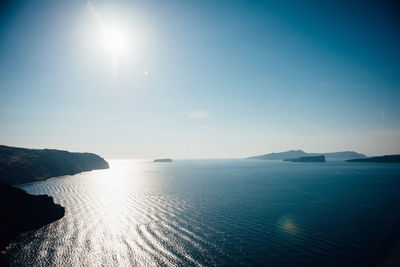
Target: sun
[[114, 40]]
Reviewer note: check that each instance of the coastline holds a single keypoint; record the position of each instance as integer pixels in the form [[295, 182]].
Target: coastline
[[22, 212]]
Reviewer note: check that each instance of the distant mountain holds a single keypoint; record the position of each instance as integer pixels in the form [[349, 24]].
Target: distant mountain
[[308, 159], [383, 159], [22, 165], [344, 155]]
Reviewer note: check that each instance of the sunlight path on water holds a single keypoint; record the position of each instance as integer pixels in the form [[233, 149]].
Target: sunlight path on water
[[116, 216], [213, 213]]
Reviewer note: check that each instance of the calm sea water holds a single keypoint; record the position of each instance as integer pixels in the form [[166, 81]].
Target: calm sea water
[[218, 213]]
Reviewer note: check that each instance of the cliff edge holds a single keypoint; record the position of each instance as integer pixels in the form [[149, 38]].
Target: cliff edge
[[22, 165]]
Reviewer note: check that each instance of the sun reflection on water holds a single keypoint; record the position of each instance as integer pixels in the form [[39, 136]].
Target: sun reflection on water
[[287, 224]]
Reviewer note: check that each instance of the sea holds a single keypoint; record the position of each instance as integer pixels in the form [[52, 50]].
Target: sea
[[222, 212]]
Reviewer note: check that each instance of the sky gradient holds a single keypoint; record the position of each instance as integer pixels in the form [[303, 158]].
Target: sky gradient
[[201, 79]]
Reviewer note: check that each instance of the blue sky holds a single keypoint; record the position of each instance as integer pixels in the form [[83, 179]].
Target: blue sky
[[201, 79]]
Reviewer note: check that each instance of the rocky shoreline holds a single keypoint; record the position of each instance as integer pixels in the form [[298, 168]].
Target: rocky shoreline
[[21, 212]]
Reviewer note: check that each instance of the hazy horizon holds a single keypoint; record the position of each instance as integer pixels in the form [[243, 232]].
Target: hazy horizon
[[195, 158], [191, 79]]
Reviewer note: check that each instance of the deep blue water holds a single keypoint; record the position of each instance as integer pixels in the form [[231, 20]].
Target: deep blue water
[[218, 213]]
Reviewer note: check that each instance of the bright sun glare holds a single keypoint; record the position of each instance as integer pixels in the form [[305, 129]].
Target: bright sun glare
[[114, 39]]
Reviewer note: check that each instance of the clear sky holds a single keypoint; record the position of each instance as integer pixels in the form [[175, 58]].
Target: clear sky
[[200, 79]]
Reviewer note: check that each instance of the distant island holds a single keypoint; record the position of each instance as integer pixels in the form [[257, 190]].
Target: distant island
[[308, 159], [21, 212], [292, 154], [162, 160], [22, 165], [383, 159]]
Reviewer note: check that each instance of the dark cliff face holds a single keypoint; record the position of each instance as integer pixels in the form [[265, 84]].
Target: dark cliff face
[[20, 212], [21, 165]]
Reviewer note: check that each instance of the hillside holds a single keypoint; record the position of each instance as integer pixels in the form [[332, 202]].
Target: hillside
[[22, 165]]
